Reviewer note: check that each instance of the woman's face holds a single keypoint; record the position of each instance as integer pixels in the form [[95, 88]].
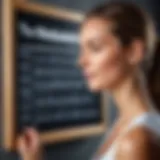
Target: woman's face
[[102, 57]]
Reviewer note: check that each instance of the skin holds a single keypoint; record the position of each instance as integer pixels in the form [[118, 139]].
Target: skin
[[29, 146], [108, 66]]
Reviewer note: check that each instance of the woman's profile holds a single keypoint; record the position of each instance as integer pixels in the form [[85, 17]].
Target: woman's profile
[[118, 46]]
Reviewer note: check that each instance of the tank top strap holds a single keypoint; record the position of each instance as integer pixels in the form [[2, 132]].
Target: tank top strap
[[135, 122], [148, 119]]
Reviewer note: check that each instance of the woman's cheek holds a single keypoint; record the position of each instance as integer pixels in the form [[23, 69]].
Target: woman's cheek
[[107, 59], [110, 66]]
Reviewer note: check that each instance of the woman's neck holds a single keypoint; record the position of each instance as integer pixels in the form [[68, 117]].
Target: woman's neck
[[132, 97]]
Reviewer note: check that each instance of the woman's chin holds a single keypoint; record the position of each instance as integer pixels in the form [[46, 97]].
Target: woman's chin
[[98, 87], [95, 88]]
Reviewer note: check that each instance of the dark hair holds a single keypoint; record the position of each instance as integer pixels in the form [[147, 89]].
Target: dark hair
[[131, 22]]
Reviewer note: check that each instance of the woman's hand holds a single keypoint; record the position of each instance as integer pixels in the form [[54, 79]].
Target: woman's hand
[[29, 146]]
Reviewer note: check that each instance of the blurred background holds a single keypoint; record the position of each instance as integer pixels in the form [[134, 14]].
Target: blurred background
[[86, 147]]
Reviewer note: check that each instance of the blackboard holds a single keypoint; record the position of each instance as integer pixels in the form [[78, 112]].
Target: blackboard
[[49, 90]]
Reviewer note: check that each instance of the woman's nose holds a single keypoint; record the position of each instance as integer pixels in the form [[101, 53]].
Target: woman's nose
[[81, 60]]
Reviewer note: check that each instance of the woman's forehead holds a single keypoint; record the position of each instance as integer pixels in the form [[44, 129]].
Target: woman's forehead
[[95, 28], [96, 23]]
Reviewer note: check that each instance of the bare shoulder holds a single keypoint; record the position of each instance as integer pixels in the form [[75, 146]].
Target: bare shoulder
[[139, 144]]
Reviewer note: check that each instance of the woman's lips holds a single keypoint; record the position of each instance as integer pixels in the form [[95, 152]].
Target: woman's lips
[[87, 75]]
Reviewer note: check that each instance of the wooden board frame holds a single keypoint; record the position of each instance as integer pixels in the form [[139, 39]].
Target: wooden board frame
[[9, 78]]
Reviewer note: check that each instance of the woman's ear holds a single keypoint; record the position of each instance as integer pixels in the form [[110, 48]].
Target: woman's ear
[[136, 52]]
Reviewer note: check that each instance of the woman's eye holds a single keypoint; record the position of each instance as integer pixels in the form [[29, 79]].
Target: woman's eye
[[96, 48]]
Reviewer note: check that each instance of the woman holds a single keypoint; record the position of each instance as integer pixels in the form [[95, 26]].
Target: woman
[[117, 42]]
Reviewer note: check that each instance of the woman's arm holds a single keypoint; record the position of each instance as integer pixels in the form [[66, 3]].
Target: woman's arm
[[139, 144], [29, 146]]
